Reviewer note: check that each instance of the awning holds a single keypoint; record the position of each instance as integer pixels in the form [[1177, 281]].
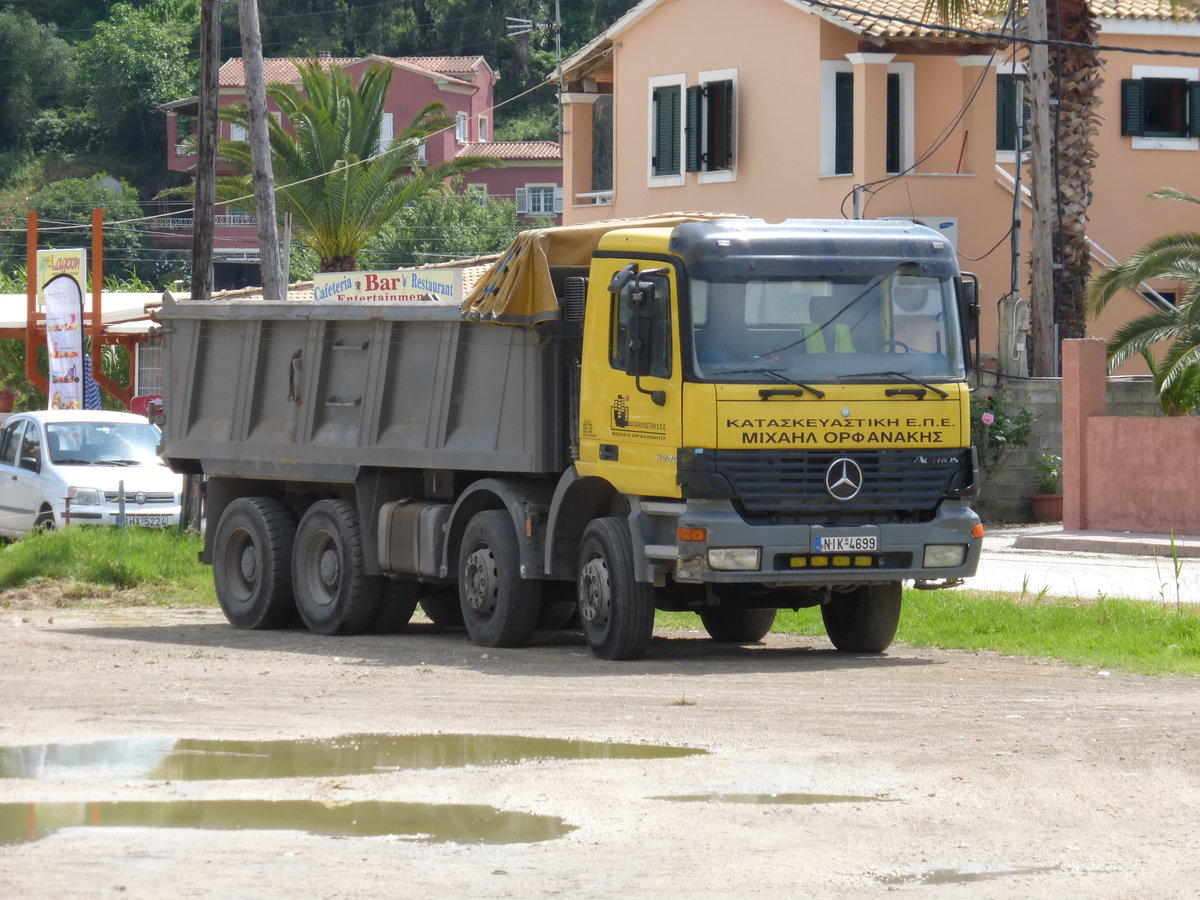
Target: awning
[[517, 289]]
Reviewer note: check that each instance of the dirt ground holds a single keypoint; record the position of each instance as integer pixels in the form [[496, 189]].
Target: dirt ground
[[976, 775]]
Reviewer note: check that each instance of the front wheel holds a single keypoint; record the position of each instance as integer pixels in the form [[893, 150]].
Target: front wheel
[[252, 563], [499, 607], [737, 626], [865, 619], [615, 610], [333, 592]]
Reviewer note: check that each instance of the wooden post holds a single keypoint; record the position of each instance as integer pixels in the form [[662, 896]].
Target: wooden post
[[260, 151], [206, 151], [1041, 256]]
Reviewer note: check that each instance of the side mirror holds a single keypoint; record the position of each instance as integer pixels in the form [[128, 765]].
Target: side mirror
[[637, 360], [968, 305], [622, 278]]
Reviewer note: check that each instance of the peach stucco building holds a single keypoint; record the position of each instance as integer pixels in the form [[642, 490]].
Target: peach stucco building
[[783, 108]]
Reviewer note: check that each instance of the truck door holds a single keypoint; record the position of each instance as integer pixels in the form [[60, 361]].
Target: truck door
[[630, 394]]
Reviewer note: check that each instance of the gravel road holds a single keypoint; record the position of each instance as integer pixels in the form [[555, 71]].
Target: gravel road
[[937, 773]]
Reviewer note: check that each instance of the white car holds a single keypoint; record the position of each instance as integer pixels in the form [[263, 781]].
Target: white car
[[83, 467]]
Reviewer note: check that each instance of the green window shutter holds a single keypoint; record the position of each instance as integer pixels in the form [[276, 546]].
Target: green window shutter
[[1193, 104], [719, 133], [892, 155], [691, 128], [1006, 112], [666, 130], [1133, 115], [843, 141]]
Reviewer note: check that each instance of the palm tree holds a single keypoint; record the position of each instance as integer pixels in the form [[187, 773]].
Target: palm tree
[[1174, 256], [330, 172]]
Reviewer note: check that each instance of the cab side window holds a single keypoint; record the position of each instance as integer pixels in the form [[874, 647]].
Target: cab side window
[[658, 310], [11, 443]]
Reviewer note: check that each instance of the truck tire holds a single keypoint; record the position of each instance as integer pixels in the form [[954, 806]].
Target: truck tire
[[499, 607], [333, 593], [865, 619], [615, 611], [397, 603], [252, 563], [737, 626], [442, 607]]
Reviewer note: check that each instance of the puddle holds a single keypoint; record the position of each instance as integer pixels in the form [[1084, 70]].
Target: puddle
[[964, 876], [424, 822], [356, 754], [773, 799]]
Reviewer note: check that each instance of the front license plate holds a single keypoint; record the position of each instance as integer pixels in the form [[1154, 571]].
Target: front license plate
[[149, 521], [861, 543]]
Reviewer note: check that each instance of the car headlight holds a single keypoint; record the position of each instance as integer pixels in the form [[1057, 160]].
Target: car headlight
[[734, 558], [81, 496]]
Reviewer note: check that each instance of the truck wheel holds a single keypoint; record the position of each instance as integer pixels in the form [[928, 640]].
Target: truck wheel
[[865, 619], [252, 563], [442, 607], [616, 612], [737, 626], [333, 594], [397, 603], [499, 607]]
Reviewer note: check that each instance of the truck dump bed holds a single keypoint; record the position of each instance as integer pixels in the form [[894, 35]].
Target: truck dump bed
[[318, 391]]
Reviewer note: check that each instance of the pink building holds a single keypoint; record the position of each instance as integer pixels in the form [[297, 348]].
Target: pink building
[[786, 108], [531, 175]]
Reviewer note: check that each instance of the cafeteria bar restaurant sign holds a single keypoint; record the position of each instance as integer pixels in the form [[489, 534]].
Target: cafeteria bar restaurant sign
[[423, 286]]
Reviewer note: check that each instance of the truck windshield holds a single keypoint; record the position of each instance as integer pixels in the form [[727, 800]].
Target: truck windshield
[[878, 327]]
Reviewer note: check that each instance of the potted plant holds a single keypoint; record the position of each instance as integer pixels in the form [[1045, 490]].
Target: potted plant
[[7, 395], [1047, 477]]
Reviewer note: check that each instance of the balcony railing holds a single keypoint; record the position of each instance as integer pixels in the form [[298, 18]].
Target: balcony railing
[[224, 219], [594, 198]]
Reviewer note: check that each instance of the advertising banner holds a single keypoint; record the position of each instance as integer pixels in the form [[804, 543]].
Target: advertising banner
[[440, 287], [60, 294]]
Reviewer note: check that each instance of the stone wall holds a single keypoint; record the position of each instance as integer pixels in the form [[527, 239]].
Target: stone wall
[[1005, 494]]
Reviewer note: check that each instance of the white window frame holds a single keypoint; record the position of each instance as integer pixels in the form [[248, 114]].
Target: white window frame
[[908, 104], [386, 132], [422, 159], [657, 81], [238, 133], [524, 196], [828, 158], [1181, 73], [730, 174], [1011, 67], [460, 127], [483, 129]]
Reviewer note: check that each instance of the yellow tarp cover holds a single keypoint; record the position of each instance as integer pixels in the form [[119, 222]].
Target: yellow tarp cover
[[517, 289]]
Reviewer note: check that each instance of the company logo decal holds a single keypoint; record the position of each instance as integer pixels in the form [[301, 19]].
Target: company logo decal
[[843, 479]]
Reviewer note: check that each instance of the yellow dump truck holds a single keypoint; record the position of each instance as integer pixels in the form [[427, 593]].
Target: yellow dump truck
[[701, 413]]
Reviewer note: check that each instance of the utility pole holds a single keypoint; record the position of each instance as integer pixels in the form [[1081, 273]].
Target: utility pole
[[206, 151], [260, 151], [1041, 257]]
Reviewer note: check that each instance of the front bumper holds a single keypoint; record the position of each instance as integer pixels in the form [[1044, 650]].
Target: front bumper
[[142, 515], [791, 556]]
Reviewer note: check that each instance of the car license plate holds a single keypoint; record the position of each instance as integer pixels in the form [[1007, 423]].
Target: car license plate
[[148, 521], [858, 543]]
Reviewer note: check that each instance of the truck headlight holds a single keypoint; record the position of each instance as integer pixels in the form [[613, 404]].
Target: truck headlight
[[81, 496], [744, 559], [944, 556]]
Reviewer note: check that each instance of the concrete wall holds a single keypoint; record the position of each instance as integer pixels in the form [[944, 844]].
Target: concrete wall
[[1005, 495], [1119, 473]]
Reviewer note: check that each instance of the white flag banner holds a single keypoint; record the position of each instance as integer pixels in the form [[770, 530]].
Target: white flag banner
[[64, 335]]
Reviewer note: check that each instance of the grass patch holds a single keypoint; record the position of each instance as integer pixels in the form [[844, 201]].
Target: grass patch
[[105, 565], [1129, 635]]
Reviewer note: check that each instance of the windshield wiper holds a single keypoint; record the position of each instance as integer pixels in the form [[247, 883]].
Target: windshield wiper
[[919, 392], [767, 393], [117, 462]]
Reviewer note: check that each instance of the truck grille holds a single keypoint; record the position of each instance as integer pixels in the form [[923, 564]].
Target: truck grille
[[898, 485]]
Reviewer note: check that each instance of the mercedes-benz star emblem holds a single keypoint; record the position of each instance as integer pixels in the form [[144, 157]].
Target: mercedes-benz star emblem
[[843, 479]]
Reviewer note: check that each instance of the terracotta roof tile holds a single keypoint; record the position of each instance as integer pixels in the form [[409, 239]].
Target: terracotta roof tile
[[548, 150], [1159, 10], [233, 72]]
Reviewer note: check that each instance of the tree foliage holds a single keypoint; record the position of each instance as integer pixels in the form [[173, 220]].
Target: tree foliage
[[36, 72], [1174, 257], [330, 172]]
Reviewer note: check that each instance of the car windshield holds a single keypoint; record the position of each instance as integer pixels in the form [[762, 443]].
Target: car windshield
[[103, 443], [838, 328]]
